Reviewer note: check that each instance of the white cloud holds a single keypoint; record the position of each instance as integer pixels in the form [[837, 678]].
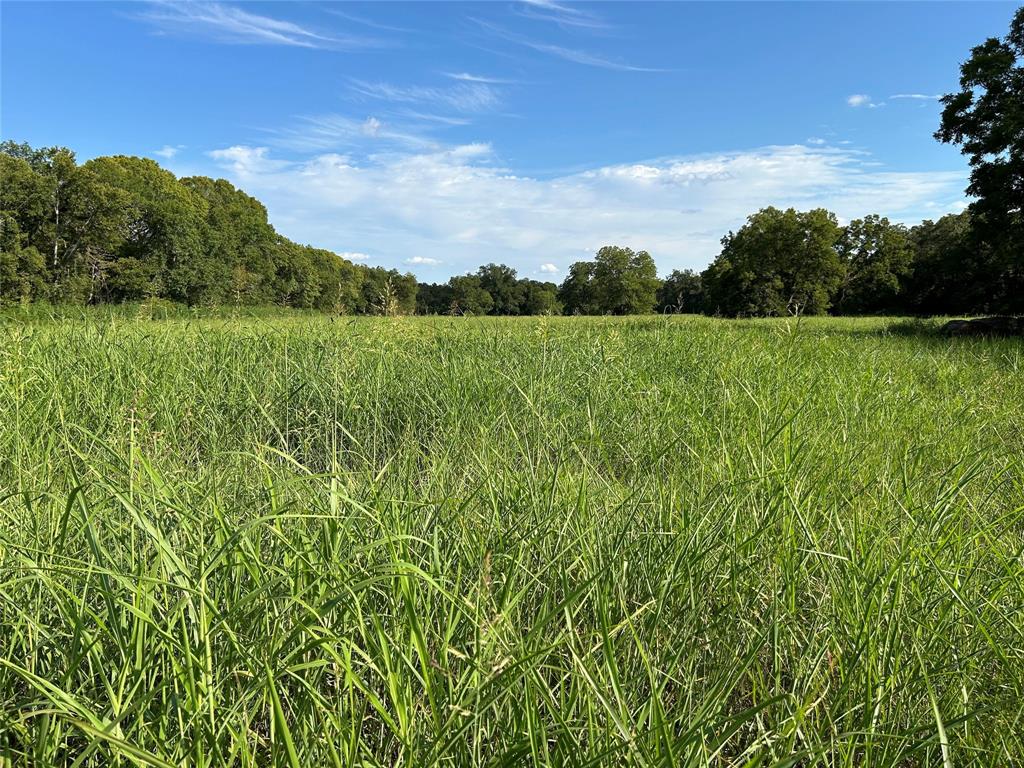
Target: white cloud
[[563, 15], [432, 118], [917, 96], [816, 141], [228, 24], [466, 77], [320, 133], [368, 22], [354, 256], [463, 97], [858, 100], [569, 54], [372, 126], [548, 267], [168, 151], [460, 207], [247, 161]]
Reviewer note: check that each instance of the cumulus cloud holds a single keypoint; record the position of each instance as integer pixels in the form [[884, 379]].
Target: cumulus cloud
[[354, 256], [247, 161], [372, 126], [548, 267], [459, 207], [858, 100], [168, 151]]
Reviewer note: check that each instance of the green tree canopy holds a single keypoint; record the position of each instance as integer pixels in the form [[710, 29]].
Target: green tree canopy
[[619, 281], [625, 282], [164, 233], [507, 292], [577, 291], [949, 268], [878, 259], [540, 298], [681, 292], [469, 297], [986, 118], [778, 262]]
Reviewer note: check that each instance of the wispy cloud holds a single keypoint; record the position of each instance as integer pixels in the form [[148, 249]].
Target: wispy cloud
[[432, 118], [817, 141], [354, 256], [424, 261], [463, 97], [859, 100], [916, 96], [168, 151], [466, 77], [459, 206], [229, 24], [319, 133], [562, 14], [368, 22], [569, 54], [245, 160]]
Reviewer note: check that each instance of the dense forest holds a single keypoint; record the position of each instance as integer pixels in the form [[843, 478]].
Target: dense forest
[[122, 228]]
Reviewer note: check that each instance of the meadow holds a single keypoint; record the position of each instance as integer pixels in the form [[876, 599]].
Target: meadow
[[291, 539]]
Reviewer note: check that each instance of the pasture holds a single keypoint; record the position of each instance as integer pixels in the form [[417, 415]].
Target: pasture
[[290, 539]]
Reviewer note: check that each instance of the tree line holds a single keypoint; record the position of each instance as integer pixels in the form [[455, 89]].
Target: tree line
[[121, 228], [124, 229]]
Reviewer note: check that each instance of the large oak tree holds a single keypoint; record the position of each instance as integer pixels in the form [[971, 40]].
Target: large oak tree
[[986, 118]]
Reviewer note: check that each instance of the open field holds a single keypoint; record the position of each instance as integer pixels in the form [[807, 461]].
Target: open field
[[415, 541]]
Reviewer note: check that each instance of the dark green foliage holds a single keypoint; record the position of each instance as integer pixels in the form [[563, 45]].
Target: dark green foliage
[[540, 298], [878, 260], [124, 229], [986, 118], [160, 224], [949, 268], [493, 290], [681, 292], [779, 262], [469, 297], [619, 281], [22, 268], [239, 238], [576, 292], [625, 282], [387, 292], [434, 299], [506, 290]]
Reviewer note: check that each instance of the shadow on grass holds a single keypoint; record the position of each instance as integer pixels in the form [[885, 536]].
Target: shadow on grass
[[990, 327], [915, 326]]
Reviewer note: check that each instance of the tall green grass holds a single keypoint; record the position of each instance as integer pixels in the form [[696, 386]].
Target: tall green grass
[[669, 541]]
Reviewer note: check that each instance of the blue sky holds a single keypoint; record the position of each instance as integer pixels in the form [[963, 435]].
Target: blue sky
[[438, 136]]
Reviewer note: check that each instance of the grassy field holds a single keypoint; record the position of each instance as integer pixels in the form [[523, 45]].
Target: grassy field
[[306, 541]]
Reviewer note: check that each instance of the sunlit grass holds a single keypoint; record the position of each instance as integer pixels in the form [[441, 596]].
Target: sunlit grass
[[292, 540]]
